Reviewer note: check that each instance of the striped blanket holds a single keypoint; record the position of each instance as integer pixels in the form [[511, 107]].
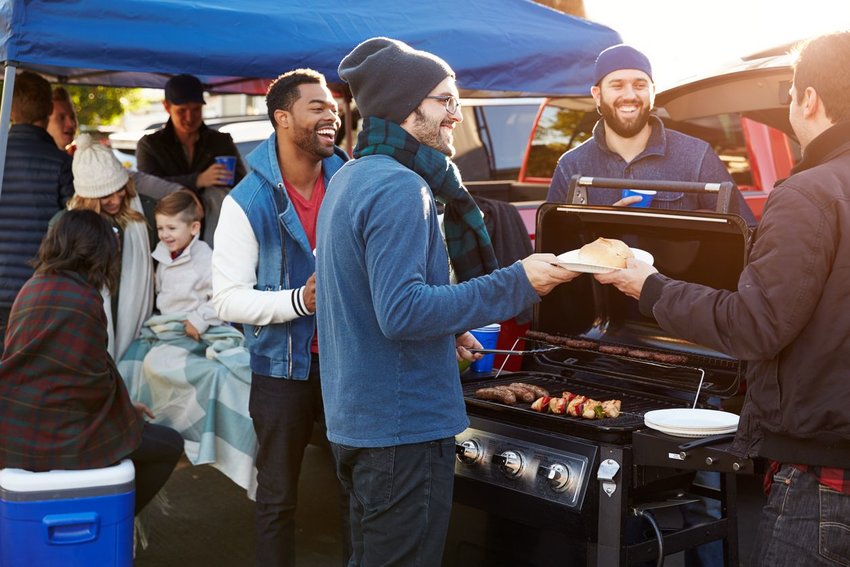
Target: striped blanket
[[201, 389]]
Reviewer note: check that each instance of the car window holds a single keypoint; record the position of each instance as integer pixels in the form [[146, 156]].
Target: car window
[[559, 130], [491, 140]]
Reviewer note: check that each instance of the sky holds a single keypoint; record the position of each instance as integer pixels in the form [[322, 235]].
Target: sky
[[683, 38]]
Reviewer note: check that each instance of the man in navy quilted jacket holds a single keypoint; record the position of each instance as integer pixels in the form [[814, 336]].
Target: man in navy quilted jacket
[[36, 184]]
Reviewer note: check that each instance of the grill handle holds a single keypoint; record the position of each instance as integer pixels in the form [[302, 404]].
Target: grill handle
[[705, 441], [579, 185]]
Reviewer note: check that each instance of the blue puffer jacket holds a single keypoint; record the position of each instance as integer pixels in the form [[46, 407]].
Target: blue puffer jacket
[[37, 183], [286, 260]]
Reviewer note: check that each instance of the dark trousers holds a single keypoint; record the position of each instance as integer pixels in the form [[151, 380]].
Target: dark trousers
[[401, 500], [283, 412], [154, 460]]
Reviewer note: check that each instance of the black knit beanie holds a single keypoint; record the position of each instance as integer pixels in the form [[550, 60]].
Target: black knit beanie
[[389, 79]]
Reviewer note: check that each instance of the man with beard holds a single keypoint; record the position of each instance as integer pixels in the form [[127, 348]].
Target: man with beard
[[630, 143], [263, 277], [184, 150], [392, 326]]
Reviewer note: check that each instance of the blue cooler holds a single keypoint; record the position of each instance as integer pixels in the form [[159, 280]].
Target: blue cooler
[[67, 518]]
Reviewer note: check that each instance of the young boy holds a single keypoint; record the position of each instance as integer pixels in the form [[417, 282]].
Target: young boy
[[183, 277]]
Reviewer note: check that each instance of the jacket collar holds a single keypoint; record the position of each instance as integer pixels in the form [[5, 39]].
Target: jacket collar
[[831, 142], [163, 256], [656, 146], [263, 162]]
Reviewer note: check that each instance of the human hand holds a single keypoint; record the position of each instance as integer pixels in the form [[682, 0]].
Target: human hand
[[464, 342], [630, 279], [191, 331], [626, 201], [310, 293], [215, 175], [144, 411], [544, 274]]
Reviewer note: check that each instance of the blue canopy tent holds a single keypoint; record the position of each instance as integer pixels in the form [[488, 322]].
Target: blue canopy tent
[[504, 47]]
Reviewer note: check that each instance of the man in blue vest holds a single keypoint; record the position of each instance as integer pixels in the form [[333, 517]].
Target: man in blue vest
[[263, 277]]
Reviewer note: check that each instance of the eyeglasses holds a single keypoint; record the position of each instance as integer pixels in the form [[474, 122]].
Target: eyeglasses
[[452, 104]]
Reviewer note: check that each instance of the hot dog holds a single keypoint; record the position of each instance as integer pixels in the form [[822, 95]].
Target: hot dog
[[501, 395]]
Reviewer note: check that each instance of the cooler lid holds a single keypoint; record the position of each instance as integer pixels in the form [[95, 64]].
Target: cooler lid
[[705, 248], [19, 480]]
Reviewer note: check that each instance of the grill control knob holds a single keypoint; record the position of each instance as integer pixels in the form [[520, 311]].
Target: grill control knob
[[511, 462], [558, 475], [468, 452]]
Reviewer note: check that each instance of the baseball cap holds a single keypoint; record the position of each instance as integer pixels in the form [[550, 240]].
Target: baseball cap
[[181, 89]]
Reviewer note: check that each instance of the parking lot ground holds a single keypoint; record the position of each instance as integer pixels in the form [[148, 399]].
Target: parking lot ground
[[211, 520]]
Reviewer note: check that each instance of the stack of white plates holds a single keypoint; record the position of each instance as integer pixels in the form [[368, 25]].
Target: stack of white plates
[[691, 422]]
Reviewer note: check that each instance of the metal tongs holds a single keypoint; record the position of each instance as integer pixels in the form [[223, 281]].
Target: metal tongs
[[512, 352]]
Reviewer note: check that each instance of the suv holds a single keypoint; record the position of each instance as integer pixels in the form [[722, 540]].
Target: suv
[[247, 133]]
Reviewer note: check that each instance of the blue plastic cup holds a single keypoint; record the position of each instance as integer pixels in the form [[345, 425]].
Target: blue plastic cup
[[646, 196], [487, 336], [230, 163]]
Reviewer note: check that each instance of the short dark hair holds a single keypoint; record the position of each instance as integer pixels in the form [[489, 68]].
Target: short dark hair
[[283, 91], [821, 63], [32, 100], [84, 242], [62, 95], [182, 202]]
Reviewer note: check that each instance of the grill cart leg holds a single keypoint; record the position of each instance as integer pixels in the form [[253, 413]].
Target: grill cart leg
[[614, 476]]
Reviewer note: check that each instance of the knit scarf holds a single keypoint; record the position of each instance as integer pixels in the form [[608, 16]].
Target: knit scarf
[[467, 240]]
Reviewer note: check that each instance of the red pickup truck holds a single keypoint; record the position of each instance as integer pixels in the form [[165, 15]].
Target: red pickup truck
[[508, 148]]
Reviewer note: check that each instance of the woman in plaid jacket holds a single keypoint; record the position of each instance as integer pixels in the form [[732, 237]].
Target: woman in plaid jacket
[[63, 404]]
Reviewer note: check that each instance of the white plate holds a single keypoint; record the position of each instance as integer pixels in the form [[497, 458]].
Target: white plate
[[690, 433], [571, 261], [691, 419]]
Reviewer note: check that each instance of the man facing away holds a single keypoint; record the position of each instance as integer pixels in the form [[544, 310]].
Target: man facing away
[[263, 277], [390, 323], [36, 185], [790, 320], [630, 143], [184, 150]]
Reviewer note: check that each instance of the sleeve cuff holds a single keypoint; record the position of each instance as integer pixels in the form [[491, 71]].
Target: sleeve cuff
[[651, 293], [298, 304]]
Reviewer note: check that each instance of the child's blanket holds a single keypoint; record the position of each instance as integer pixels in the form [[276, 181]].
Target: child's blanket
[[201, 389]]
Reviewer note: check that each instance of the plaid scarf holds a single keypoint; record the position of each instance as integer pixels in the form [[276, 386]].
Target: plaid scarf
[[467, 239]]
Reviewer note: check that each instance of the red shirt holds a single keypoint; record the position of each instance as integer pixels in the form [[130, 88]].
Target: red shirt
[[835, 478], [308, 214]]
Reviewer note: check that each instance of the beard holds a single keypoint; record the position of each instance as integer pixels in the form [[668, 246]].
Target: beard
[[429, 132], [308, 140], [624, 128]]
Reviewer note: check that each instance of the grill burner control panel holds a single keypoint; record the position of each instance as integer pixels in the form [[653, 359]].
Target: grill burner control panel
[[553, 474]]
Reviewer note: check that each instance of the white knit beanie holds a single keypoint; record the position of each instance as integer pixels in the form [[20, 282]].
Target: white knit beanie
[[97, 173]]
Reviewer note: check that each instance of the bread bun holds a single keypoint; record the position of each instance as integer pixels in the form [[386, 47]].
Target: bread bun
[[606, 252]]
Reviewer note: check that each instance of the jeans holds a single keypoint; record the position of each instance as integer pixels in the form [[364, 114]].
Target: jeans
[[283, 412], [802, 524], [401, 500], [154, 460]]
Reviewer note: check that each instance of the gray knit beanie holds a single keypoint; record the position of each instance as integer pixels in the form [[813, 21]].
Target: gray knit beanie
[[389, 79]]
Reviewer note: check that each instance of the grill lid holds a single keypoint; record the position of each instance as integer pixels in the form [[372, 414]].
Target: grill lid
[[705, 248]]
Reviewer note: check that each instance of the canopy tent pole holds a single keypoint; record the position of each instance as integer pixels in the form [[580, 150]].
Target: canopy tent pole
[[349, 124], [5, 115]]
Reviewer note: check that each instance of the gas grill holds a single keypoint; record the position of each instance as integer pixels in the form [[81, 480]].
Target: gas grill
[[539, 489]]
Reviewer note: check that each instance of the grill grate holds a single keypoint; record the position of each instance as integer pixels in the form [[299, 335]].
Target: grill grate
[[634, 405]]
